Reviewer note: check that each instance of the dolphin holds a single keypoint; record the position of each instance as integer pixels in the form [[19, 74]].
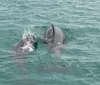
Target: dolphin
[[54, 38], [26, 44]]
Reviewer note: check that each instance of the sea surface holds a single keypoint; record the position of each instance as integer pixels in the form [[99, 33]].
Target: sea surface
[[79, 62]]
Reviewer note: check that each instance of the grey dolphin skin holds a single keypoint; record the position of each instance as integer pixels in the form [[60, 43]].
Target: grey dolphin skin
[[54, 38], [26, 45]]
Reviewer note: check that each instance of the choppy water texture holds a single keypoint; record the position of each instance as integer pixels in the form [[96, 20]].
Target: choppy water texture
[[79, 63]]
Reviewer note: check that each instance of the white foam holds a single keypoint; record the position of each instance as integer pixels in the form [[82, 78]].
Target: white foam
[[27, 48]]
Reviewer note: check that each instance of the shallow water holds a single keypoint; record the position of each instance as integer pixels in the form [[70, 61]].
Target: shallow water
[[79, 63]]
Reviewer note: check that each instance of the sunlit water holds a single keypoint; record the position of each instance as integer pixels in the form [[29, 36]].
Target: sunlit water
[[79, 62]]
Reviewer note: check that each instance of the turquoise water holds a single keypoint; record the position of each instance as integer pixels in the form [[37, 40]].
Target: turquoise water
[[79, 63]]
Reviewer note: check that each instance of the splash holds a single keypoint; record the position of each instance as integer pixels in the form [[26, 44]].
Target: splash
[[28, 31]]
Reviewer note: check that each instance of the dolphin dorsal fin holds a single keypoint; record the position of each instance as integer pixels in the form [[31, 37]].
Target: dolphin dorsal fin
[[53, 29]]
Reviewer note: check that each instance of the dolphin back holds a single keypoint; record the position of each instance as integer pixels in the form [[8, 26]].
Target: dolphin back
[[54, 33]]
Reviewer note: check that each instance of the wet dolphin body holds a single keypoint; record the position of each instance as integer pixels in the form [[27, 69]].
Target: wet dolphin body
[[26, 45], [54, 38]]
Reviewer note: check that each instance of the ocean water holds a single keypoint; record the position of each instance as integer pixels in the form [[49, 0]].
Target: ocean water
[[79, 62]]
